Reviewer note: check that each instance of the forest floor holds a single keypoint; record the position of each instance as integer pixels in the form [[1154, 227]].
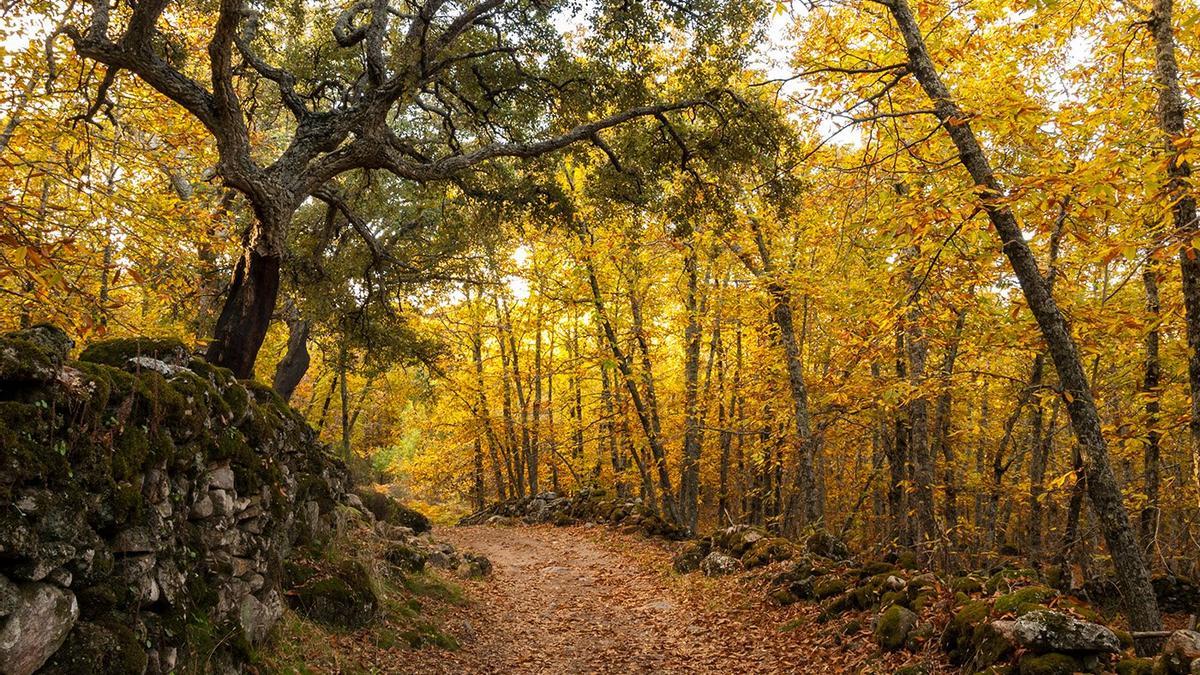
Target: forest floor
[[590, 599]]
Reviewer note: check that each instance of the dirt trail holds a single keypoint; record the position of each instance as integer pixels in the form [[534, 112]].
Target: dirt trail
[[590, 600]]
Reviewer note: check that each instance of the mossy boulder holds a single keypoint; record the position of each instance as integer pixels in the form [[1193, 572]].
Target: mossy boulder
[[767, 551], [117, 352], [738, 539], [1008, 579], [829, 586], [691, 555], [405, 558], [24, 362], [107, 647], [1180, 652], [345, 599], [1044, 630], [392, 511], [826, 545], [958, 640], [1049, 664], [1135, 666], [1023, 600], [893, 627], [966, 584]]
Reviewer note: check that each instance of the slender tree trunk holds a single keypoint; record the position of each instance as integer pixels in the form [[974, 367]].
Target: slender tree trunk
[[1131, 572], [482, 412], [898, 459], [512, 449], [917, 351], [1172, 119], [941, 429], [689, 480], [1151, 378], [644, 413]]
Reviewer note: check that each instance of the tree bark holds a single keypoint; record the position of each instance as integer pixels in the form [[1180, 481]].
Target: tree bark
[[295, 361], [1172, 119], [1131, 572], [689, 479], [649, 428], [244, 320]]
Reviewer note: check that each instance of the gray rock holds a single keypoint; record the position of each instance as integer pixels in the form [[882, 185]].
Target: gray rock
[[718, 564], [220, 477], [133, 540], [222, 502], [60, 576], [37, 628], [257, 616], [203, 508], [1044, 630], [161, 367], [1181, 652], [9, 596]]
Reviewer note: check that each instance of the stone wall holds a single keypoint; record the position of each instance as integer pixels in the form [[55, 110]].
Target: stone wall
[[147, 503]]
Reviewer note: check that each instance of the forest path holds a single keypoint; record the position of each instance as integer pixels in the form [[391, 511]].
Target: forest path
[[592, 600]]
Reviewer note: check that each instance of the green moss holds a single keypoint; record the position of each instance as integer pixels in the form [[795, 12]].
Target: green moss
[[829, 587], [958, 637], [405, 558], [24, 361], [1135, 666], [966, 584], [1049, 664], [1023, 600], [130, 450], [1010, 578], [431, 586], [346, 600], [118, 351], [767, 551], [427, 634], [893, 627], [107, 647]]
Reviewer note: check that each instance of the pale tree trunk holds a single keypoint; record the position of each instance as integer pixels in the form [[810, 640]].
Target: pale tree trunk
[[1132, 575]]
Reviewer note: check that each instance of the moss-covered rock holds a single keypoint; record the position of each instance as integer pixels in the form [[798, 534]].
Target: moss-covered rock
[[966, 584], [826, 545], [767, 551], [1135, 666], [1008, 579], [118, 351], [829, 586], [405, 558], [392, 511], [1049, 664], [691, 555], [108, 647], [1023, 600], [893, 627], [958, 640], [346, 599]]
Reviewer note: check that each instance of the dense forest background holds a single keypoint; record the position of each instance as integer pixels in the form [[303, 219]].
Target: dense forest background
[[772, 293]]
